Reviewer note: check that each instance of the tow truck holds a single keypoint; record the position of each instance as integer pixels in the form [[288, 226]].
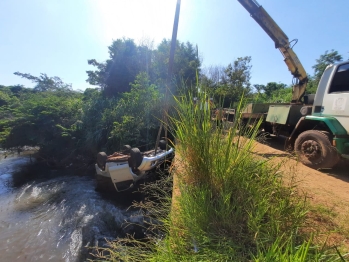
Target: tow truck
[[316, 126]]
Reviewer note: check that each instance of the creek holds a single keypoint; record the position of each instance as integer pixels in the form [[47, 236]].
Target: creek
[[56, 215]]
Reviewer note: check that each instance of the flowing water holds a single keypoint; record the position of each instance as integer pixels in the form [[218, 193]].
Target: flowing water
[[51, 216]]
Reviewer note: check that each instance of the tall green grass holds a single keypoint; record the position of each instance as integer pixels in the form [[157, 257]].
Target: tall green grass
[[232, 204]]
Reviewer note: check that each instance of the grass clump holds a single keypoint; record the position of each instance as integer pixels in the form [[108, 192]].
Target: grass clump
[[227, 205]]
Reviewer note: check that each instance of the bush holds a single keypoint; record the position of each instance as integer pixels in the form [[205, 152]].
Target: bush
[[132, 118], [48, 119]]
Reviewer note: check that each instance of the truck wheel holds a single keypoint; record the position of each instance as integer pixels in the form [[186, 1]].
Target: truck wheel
[[268, 128], [101, 160], [315, 150], [126, 149], [162, 144], [135, 159]]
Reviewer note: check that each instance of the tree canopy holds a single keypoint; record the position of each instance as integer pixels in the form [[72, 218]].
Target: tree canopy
[[127, 60], [46, 83], [229, 84], [324, 60]]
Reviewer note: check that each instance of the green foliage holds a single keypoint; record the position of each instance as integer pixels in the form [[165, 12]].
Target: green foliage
[[326, 59], [272, 87], [121, 69], [46, 116], [186, 65], [7, 98], [312, 85], [231, 203], [95, 126], [132, 118], [127, 60], [138, 114], [273, 93], [278, 92], [65, 123], [231, 83], [46, 83]]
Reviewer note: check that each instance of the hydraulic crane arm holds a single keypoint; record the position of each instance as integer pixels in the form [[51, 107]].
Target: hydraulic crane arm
[[282, 43]]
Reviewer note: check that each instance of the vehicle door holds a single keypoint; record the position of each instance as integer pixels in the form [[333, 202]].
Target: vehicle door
[[336, 98]]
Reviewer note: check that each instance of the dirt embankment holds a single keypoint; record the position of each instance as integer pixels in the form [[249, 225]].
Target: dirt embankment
[[327, 190]]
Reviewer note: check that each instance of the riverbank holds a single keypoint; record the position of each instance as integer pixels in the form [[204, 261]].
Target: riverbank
[[12, 152]]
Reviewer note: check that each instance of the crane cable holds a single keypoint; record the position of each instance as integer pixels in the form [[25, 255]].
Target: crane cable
[[164, 121]]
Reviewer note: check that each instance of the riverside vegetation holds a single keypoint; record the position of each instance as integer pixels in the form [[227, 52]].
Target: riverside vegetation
[[70, 126], [232, 206]]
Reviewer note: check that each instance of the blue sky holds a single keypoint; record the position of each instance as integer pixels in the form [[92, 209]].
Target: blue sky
[[57, 37]]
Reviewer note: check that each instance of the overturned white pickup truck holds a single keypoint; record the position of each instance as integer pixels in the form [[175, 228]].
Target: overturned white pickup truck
[[123, 169]]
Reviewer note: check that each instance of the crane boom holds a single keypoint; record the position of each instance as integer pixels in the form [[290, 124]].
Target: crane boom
[[281, 41]]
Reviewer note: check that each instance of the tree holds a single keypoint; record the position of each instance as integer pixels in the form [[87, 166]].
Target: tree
[[259, 88], [45, 83], [138, 114], [46, 116], [273, 92], [211, 78], [235, 82], [115, 75], [325, 60], [272, 87], [127, 60], [311, 85], [185, 68], [131, 118]]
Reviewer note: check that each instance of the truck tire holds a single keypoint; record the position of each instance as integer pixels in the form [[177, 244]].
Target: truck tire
[[162, 144], [315, 150], [101, 160], [268, 128], [126, 149], [135, 159]]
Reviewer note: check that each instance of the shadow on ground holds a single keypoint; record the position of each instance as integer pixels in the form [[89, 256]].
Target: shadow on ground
[[340, 171]]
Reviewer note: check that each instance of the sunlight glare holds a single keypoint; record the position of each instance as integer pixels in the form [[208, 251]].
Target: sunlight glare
[[136, 19]]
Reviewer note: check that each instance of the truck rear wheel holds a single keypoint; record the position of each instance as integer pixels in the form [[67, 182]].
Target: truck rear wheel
[[101, 160], [126, 149], [135, 159], [163, 144], [315, 150]]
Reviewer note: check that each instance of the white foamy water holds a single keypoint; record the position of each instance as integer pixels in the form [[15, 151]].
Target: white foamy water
[[56, 218]]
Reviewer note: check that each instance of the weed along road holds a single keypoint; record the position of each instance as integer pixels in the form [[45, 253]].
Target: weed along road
[[328, 188], [326, 191], [53, 215]]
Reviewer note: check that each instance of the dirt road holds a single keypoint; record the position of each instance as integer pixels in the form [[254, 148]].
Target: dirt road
[[327, 190]]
